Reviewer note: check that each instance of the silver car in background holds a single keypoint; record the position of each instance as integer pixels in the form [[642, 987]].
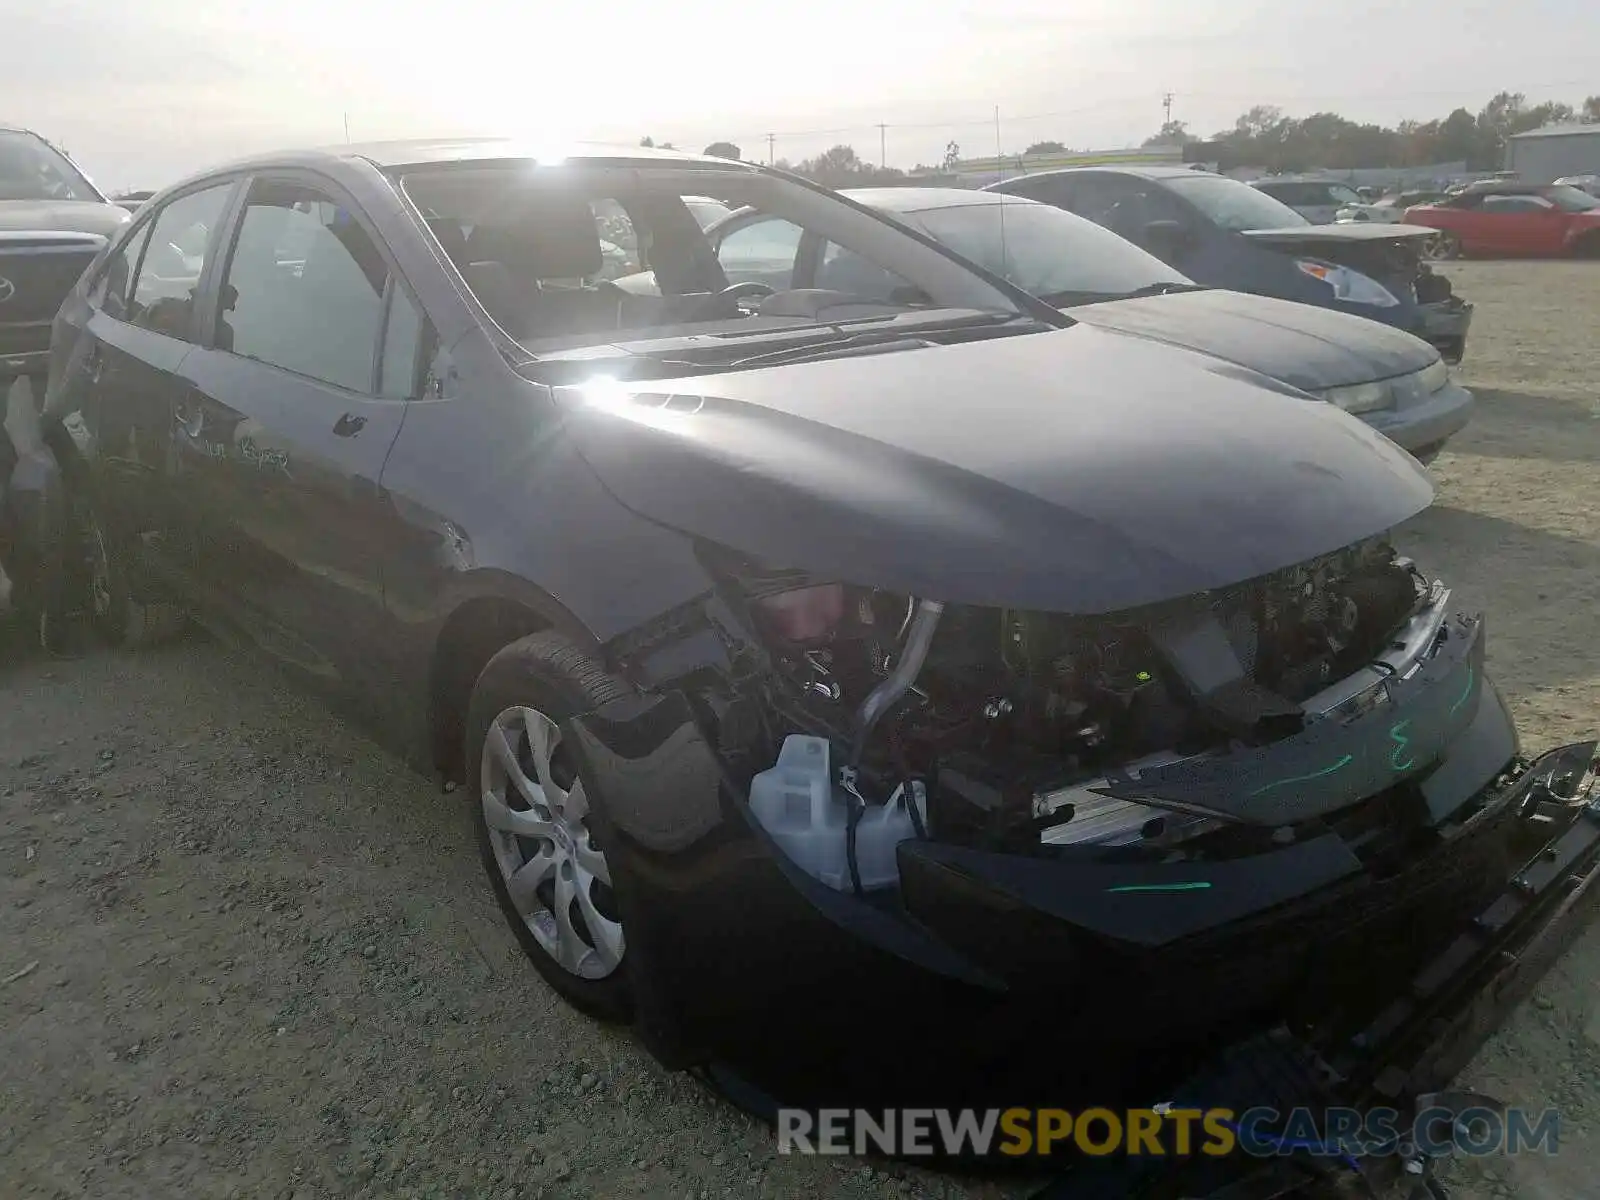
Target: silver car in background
[[1396, 383]]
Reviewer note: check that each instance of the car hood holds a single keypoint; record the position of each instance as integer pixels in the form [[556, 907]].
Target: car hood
[[74, 216], [1076, 470], [1302, 345]]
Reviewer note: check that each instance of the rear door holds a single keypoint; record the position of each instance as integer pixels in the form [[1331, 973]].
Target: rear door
[[287, 415], [141, 327]]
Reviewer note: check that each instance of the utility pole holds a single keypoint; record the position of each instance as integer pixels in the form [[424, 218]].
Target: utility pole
[[883, 145], [999, 168], [347, 128], [770, 138], [1166, 106]]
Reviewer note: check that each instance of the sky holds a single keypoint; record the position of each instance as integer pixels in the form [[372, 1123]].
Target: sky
[[143, 94]]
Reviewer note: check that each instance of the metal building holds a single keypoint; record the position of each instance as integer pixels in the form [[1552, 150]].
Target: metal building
[[1545, 155]]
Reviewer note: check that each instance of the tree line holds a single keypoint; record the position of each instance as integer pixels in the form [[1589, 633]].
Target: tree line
[[1265, 136]]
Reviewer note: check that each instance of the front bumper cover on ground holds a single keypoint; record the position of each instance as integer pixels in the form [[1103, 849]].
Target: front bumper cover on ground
[[1405, 1056]]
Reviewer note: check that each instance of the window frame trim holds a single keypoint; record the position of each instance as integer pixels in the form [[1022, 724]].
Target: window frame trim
[[332, 191], [146, 222]]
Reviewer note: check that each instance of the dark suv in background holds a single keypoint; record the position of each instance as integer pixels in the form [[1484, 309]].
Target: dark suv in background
[[1227, 234], [53, 221]]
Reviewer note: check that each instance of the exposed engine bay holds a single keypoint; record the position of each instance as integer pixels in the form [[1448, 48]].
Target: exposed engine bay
[[980, 726]]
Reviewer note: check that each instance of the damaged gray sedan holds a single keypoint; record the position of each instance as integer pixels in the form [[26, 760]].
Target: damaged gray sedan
[[870, 697]]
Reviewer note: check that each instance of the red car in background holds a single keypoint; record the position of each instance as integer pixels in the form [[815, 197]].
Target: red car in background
[[1512, 219]]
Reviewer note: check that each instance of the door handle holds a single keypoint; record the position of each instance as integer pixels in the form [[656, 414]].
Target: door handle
[[348, 425]]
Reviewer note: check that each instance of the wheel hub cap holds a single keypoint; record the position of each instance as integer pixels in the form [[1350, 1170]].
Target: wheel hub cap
[[537, 817]]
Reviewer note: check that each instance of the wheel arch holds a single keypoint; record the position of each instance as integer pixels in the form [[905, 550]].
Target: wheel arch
[[486, 613], [1586, 244]]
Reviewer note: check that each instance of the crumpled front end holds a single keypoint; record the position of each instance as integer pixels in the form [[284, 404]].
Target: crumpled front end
[[954, 849]]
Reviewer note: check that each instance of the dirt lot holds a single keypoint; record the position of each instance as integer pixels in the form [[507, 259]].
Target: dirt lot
[[245, 953]]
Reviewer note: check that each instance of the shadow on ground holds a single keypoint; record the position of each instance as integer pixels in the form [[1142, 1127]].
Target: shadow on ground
[[1529, 425], [1541, 628]]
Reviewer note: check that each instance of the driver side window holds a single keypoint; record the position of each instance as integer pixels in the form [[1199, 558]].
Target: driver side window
[[763, 251], [1515, 204]]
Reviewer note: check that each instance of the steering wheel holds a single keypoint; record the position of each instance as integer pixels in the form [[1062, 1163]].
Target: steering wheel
[[726, 302]]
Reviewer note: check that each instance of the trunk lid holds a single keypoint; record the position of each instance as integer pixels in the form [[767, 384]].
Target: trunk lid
[[1305, 346], [1390, 254]]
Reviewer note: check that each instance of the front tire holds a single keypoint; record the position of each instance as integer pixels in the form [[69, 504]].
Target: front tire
[[546, 868]]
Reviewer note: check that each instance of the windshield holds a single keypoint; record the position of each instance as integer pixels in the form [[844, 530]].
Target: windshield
[[597, 254], [1571, 199], [1044, 250], [1344, 195], [1232, 205], [30, 169]]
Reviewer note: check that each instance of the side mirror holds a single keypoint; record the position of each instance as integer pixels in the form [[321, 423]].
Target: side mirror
[[1165, 239]]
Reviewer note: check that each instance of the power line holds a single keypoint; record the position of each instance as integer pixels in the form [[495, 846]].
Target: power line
[[1125, 102]]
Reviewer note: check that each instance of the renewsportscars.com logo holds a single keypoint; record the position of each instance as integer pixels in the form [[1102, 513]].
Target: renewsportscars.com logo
[[1346, 1133]]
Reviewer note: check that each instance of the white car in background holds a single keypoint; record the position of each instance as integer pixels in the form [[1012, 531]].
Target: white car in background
[[1317, 200], [1390, 208], [1586, 183]]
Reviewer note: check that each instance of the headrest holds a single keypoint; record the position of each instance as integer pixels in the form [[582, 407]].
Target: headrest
[[549, 236]]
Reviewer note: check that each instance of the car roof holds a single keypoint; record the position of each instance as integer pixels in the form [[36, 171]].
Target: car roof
[[1137, 172], [421, 152], [920, 199]]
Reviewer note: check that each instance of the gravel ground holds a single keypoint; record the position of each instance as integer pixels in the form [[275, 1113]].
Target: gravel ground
[[243, 952]]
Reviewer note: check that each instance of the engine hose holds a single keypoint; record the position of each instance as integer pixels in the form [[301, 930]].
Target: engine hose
[[907, 665], [853, 819], [911, 807]]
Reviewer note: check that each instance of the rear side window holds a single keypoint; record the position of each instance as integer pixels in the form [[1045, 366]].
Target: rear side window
[[1515, 204], [1289, 193], [175, 256], [305, 288]]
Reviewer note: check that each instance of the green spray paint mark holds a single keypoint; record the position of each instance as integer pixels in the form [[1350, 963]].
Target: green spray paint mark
[[1194, 885], [1401, 741], [1328, 770], [1465, 692]]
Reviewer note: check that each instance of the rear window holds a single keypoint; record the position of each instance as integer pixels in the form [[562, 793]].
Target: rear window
[[1309, 194], [31, 169], [1232, 205]]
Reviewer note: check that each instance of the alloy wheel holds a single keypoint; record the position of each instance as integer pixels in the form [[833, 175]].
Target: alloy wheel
[[537, 817]]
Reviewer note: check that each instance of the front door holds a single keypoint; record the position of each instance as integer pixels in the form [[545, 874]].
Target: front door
[[140, 329], [283, 425]]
